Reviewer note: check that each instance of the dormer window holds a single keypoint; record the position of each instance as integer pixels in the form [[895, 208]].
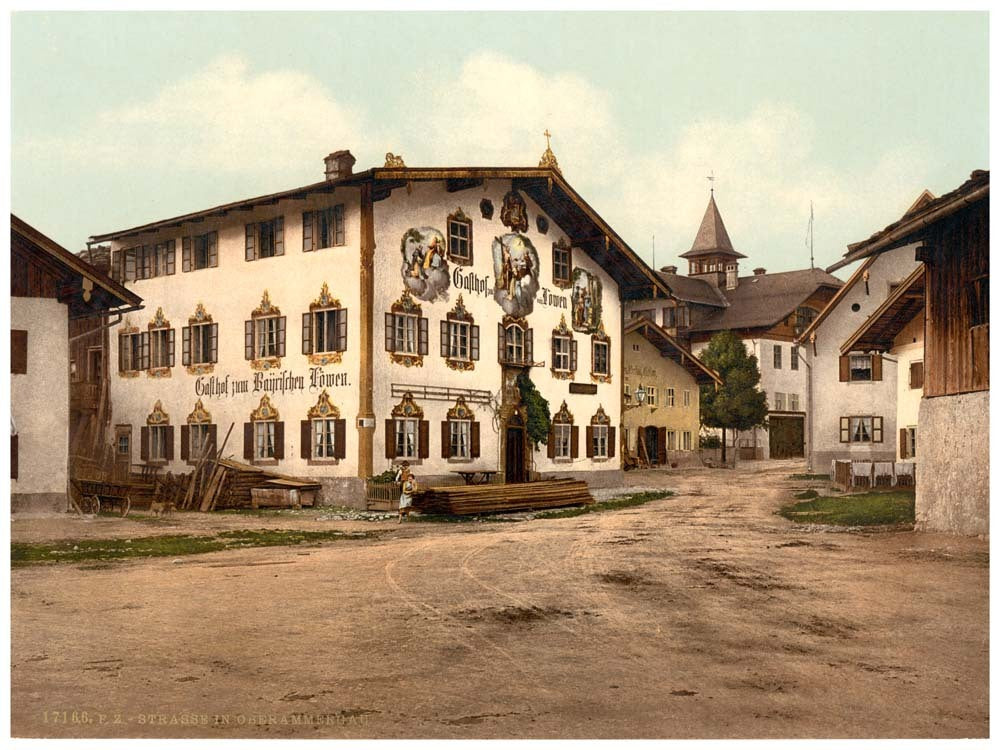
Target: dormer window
[[732, 275]]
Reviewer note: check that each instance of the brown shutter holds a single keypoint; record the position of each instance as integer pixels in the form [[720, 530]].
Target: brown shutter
[[215, 343], [171, 257], [445, 349], [18, 352], [185, 442], [307, 232], [845, 429], [574, 443], [589, 447], [213, 438], [279, 236], [551, 446], [279, 440], [474, 343], [13, 456], [529, 346], [474, 440], [213, 249], [281, 336], [116, 265], [445, 440], [916, 375], [171, 346], [248, 440], [877, 436], [389, 343], [307, 333], [876, 367], [501, 335], [422, 336], [186, 254], [305, 438], [341, 318], [144, 443], [903, 443], [661, 446], [170, 442], [390, 439], [611, 442], [186, 345], [424, 438], [340, 438], [251, 238], [248, 339], [845, 368], [572, 355]]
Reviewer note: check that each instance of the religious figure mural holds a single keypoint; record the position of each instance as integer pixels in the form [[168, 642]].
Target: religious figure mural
[[515, 265], [425, 267], [586, 301]]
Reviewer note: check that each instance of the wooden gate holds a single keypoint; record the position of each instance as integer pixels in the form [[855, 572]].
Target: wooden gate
[[787, 437]]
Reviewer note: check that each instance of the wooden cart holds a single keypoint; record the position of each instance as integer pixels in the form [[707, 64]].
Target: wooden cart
[[96, 494]]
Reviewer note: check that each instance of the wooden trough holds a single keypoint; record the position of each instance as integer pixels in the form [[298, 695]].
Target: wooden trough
[[498, 498]]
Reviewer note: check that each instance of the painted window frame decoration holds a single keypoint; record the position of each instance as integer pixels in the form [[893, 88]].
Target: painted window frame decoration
[[507, 343], [405, 306], [852, 429], [157, 423], [460, 417], [559, 248], [600, 435], [516, 270], [563, 433], [407, 411], [323, 305], [264, 312], [600, 339], [563, 333], [457, 318], [321, 418], [424, 268], [195, 245], [264, 414], [588, 291], [159, 329], [198, 422], [456, 240], [138, 362], [312, 228], [200, 320]]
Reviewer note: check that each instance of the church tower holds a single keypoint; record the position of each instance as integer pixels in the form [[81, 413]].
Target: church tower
[[712, 256]]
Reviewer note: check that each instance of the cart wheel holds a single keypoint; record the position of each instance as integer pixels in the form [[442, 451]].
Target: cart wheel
[[91, 505], [126, 506]]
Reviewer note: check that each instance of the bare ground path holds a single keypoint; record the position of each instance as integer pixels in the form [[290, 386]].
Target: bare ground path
[[701, 615]]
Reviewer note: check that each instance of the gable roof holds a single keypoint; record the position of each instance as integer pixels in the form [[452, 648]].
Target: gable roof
[[671, 348], [712, 237], [106, 295], [883, 325], [691, 289], [832, 304], [544, 185]]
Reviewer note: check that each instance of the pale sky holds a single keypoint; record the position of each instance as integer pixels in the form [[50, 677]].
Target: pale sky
[[119, 119]]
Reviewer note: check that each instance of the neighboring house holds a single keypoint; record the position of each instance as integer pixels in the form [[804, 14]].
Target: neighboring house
[[950, 237], [379, 316], [663, 427], [767, 311], [51, 290]]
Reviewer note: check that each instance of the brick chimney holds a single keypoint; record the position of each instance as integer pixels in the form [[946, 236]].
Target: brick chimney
[[669, 269], [759, 271], [339, 164]]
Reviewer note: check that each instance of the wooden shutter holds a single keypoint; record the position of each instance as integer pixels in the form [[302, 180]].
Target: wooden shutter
[[13, 456], [845, 429], [213, 437], [474, 440], [116, 265], [551, 445], [213, 249], [552, 350], [612, 443], [661, 446], [389, 324], [340, 438], [279, 236], [307, 232], [589, 447], [279, 440], [171, 264], [572, 355], [501, 336], [445, 440], [305, 439], [18, 352], [307, 333], [248, 441], [876, 367], [445, 349], [341, 342], [144, 350], [281, 336], [170, 442], [903, 443], [422, 335], [248, 339], [390, 439], [845, 368], [121, 353], [916, 375], [574, 443], [215, 343], [170, 346], [186, 345], [186, 254], [474, 343], [877, 436], [129, 264], [144, 443], [423, 438], [529, 346], [251, 242]]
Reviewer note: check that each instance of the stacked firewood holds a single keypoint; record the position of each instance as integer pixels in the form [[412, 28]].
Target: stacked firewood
[[494, 498]]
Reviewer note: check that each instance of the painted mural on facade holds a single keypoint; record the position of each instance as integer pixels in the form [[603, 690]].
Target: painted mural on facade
[[586, 301], [515, 265], [425, 268]]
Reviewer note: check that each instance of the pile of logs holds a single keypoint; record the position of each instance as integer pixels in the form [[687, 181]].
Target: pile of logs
[[494, 498]]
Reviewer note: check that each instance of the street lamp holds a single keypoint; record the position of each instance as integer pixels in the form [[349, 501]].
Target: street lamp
[[640, 398]]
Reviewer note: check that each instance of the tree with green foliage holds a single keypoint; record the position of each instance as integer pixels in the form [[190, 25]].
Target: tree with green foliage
[[738, 403], [536, 410]]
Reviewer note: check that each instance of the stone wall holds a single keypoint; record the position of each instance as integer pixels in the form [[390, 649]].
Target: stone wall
[[953, 468]]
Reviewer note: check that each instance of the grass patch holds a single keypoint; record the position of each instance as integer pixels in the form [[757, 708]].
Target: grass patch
[[84, 550], [869, 509], [818, 477], [628, 501], [806, 495]]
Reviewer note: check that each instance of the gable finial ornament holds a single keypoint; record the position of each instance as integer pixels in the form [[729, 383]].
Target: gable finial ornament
[[600, 417], [407, 407], [460, 410], [264, 411], [199, 415], [548, 159], [157, 416], [200, 315], [266, 307], [324, 408], [394, 161], [563, 416], [325, 299], [159, 320]]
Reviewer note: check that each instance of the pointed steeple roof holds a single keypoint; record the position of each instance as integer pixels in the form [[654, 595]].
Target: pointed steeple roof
[[712, 237]]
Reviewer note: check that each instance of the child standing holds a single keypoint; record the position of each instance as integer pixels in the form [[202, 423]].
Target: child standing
[[409, 486]]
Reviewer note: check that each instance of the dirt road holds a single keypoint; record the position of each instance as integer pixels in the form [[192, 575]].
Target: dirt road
[[701, 615]]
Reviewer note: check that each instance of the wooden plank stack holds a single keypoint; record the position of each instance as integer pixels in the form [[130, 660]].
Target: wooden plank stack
[[497, 498]]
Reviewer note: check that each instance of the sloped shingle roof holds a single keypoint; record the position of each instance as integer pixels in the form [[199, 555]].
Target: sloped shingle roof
[[712, 236]]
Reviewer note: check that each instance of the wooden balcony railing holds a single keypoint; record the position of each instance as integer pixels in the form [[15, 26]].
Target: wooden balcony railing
[[84, 396]]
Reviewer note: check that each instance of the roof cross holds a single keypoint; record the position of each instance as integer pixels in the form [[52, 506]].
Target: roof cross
[[711, 179], [547, 135]]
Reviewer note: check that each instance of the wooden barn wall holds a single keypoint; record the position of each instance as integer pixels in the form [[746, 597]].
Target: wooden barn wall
[[956, 353], [30, 276]]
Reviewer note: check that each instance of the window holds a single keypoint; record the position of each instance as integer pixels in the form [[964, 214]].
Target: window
[[562, 268], [861, 429], [124, 448], [323, 228], [683, 317], [599, 438], [515, 343], [793, 402], [160, 348], [198, 438], [18, 352], [686, 440], [324, 331], [687, 398], [460, 238], [264, 434], [561, 353], [669, 317], [563, 439], [459, 438], [406, 438], [265, 239], [671, 440], [324, 438], [459, 338], [601, 366], [148, 261], [651, 395], [908, 442], [777, 356], [977, 299], [158, 443], [670, 397], [200, 251], [133, 352], [157, 437], [794, 358], [200, 343], [804, 317], [916, 379], [404, 333], [779, 401], [264, 440], [266, 332], [861, 367], [732, 271]]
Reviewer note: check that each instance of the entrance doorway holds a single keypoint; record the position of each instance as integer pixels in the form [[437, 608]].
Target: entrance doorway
[[95, 365], [514, 468], [786, 436], [651, 437], [123, 451]]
